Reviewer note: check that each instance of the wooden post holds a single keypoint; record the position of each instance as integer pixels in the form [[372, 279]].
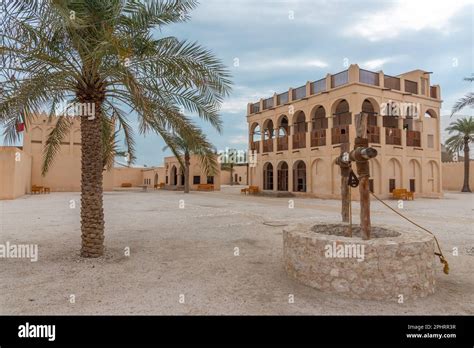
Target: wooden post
[[345, 171], [363, 172]]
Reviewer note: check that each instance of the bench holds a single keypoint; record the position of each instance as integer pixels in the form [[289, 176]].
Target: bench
[[47, 190], [36, 189], [205, 187], [126, 184], [159, 186], [402, 194], [250, 190]]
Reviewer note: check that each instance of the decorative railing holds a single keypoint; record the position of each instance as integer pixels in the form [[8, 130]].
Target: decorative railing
[[282, 143], [255, 108], [368, 77], [318, 137], [413, 138], [373, 134], [282, 98], [299, 93], [411, 87], [393, 136], [318, 86], [255, 146], [339, 79], [391, 82], [268, 145], [299, 140], [340, 135], [268, 103]]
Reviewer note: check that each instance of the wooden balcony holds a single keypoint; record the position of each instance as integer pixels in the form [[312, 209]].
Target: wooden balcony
[[411, 87], [318, 137], [391, 82], [282, 143], [413, 138], [299, 140], [268, 145], [393, 136], [255, 146], [368, 77], [373, 134], [340, 135]]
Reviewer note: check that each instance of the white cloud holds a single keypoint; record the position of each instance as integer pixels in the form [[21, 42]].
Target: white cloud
[[238, 139], [286, 63], [407, 15], [375, 63]]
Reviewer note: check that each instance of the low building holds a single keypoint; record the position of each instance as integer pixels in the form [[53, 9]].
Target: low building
[[238, 175], [298, 133], [174, 175]]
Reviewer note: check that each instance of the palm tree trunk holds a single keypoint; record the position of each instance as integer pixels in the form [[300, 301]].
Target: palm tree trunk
[[186, 172], [231, 174], [465, 187], [92, 213]]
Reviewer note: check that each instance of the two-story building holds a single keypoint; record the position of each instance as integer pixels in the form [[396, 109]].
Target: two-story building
[[298, 133]]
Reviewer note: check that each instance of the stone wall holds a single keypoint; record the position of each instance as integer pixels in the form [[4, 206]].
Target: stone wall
[[390, 264]]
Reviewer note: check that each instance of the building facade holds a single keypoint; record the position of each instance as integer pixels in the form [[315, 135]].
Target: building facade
[[298, 134]]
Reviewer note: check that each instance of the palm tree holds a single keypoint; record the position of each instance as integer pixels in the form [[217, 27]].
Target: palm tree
[[467, 100], [103, 54], [183, 147], [464, 129]]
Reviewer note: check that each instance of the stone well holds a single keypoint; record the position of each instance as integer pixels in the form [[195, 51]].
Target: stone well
[[390, 264]]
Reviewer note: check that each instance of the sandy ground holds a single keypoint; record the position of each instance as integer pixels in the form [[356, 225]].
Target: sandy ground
[[190, 251]]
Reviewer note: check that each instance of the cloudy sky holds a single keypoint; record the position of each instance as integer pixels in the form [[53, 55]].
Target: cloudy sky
[[280, 44]]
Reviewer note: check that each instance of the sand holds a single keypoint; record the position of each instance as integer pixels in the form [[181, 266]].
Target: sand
[[185, 261]]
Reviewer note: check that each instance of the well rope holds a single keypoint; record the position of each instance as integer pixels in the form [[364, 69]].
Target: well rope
[[442, 259]]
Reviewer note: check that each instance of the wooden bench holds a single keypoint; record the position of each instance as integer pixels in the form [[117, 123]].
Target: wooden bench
[[36, 189], [250, 190], [47, 190], [126, 184], [402, 194], [159, 186], [205, 187]]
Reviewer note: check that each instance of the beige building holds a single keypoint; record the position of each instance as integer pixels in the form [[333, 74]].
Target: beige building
[[239, 175], [174, 177], [298, 133]]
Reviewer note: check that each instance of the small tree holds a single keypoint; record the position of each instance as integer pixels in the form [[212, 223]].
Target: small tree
[[464, 129], [184, 146]]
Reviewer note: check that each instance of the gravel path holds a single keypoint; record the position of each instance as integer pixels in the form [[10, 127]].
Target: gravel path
[[191, 252]]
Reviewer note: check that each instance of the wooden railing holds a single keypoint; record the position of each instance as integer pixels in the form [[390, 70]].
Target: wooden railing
[[391, 82], [299, 93], [339, 79], [411, 87], [393, 136], [340, 135], [299, 140], [282, 98], [373, 134], [368, 77], [433, 92], [255, 146], [413, 138], [268, 103], [318, 86], [255, 108], [268, 145], [282, 143], [318, 137]]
